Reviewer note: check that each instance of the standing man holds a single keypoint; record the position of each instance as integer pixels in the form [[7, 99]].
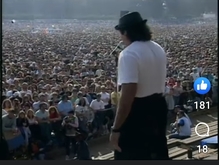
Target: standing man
[[139, 129]]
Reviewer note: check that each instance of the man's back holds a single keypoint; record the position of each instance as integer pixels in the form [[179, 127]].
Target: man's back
[[150, 65]]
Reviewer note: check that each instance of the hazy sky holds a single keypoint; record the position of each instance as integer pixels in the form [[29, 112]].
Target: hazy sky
[[75, 8]]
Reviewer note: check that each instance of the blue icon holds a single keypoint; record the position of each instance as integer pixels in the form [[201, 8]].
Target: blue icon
[[202, 85]]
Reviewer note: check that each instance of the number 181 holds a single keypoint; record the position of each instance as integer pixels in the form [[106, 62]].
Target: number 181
[[202, 105]]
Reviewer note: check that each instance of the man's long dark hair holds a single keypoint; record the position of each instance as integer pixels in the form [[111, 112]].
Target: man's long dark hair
[[140, 32]]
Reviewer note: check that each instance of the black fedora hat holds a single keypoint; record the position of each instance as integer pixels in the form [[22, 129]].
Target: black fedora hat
[[129, 20]]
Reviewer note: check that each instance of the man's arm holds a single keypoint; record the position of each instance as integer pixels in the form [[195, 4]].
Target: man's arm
[[128, 76]]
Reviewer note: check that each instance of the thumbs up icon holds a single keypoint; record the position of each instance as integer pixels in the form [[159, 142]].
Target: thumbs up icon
[[202, 85]]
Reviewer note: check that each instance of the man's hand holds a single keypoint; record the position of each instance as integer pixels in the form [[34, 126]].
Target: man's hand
[[114, 140]]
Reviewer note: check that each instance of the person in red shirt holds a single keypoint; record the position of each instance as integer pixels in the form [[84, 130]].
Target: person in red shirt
[[55, 120], [171, 82]]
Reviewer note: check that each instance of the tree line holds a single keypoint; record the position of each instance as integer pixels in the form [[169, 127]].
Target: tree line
[[106, 9]]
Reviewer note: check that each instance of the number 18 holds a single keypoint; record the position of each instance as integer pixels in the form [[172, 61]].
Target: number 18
[[203, 149]]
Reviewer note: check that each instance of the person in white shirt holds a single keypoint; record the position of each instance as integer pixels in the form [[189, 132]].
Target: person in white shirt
[[97, 107], [105, 97], [195, 74], [25, 89], [177, 90], [11, 79], [183, 126], [141, 75], [169, 97], [98, 72]]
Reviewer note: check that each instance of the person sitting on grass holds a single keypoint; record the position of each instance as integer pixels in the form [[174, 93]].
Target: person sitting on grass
[[183, 127]]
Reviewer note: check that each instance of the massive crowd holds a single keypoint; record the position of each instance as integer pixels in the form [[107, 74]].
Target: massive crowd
[[59, 79]]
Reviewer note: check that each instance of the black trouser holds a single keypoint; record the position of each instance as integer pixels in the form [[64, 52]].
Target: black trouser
[[70, 140], [56, 128], [143, 135], [35, 131]]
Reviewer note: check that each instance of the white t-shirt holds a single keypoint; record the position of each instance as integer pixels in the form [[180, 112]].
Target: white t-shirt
[[105, 96], [97, 105], [31, 121], [39, 114], [143, 63]]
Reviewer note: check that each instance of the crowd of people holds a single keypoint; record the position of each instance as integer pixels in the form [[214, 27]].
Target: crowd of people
[[61, 82]]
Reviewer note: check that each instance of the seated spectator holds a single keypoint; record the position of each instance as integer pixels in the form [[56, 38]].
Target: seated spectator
[[64, 106], [189, 106], [42, 117], [70, 124], [183, 127]]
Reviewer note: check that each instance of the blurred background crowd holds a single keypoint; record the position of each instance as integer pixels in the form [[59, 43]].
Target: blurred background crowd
[[59, 79]]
